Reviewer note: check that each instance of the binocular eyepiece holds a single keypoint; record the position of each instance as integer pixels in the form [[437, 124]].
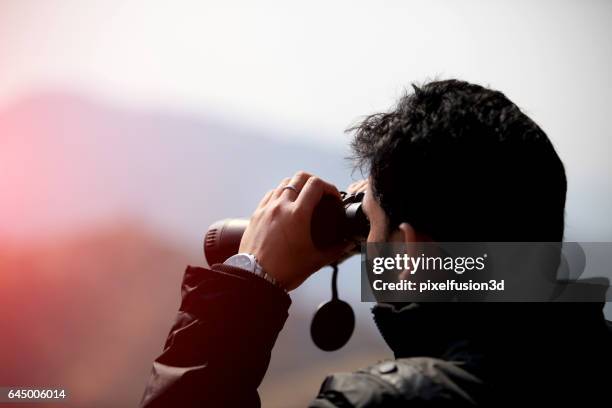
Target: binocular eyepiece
[[333, 221]]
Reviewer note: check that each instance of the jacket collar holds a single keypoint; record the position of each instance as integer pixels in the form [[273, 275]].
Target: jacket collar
[[444, 329]]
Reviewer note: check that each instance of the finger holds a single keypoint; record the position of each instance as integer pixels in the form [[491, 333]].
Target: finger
[[358, 186], [363, 186], [313, 191], [266, 198], [353, 186], [278, 191], [298, 181]]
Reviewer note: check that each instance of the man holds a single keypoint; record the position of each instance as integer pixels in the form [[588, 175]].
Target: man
[[452, 162]]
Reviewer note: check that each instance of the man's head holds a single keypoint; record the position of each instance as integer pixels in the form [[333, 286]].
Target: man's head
[[458, 162]]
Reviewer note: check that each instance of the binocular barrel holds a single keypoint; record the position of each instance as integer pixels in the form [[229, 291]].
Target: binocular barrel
[[333, 221]]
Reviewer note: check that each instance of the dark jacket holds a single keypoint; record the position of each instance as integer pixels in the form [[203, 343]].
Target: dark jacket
[[496, 354]]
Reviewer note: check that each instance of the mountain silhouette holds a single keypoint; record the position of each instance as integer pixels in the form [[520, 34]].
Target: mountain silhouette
[[68, 161]]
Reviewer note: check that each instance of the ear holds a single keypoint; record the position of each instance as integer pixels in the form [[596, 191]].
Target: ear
[[403, 233]]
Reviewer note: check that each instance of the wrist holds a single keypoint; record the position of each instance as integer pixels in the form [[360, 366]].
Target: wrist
[[249, 262]]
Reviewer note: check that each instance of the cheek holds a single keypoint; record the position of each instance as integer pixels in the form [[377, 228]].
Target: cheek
[[377, 232]]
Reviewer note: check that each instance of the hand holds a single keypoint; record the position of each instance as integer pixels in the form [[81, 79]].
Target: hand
[[278, 234]]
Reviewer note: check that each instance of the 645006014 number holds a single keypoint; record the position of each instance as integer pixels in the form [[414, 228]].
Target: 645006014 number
[[32, 394]]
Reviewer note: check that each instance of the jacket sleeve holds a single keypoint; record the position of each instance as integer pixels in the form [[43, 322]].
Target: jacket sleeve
[[219, 347]]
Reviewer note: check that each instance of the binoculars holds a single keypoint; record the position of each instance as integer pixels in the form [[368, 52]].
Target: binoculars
[[334, 221]]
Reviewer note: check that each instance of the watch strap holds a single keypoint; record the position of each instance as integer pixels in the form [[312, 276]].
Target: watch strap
[[256, 269]]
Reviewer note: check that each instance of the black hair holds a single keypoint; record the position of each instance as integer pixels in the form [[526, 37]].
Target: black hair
[[461, 162]]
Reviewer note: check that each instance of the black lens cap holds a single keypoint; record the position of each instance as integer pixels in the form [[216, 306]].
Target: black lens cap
[[332, 325]]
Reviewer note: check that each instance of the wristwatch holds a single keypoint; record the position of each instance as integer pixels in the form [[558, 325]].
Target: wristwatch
[[249, 263]]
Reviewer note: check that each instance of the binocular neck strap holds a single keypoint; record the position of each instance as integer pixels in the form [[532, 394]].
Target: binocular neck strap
[[334, 281]]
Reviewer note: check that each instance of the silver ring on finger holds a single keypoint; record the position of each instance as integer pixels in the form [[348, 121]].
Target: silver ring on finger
[[290, 187]]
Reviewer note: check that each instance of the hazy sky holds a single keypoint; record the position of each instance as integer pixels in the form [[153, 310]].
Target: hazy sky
[[315, 66]]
